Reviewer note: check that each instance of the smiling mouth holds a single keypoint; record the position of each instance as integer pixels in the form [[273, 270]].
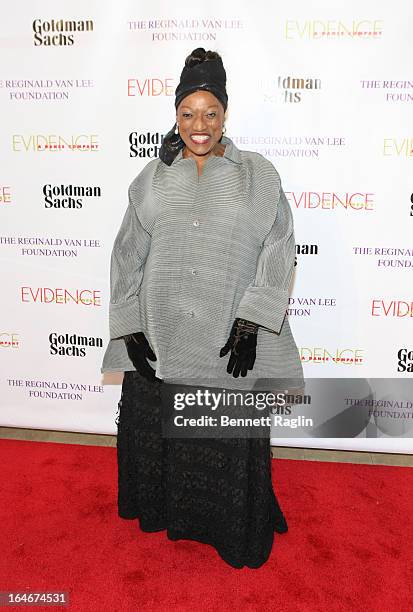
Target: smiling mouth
[[200, 139]]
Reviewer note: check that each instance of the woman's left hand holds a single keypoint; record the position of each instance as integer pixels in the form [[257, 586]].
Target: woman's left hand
[[242, 343]]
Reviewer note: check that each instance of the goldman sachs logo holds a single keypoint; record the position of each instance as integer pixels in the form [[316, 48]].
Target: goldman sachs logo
[[293, 87], [289, 89], [68, 196], [305, 249], [72, 345], [405, 360], [145, 145], [58, 32]]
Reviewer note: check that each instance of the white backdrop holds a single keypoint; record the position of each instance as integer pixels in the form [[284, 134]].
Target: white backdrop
[[322, 89]]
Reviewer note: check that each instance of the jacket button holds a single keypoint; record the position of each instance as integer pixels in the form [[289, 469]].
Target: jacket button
[[191, 313], [193, 272], [195, 223]]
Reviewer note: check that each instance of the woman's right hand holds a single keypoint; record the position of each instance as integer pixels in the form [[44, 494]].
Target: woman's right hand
[[139, 351]]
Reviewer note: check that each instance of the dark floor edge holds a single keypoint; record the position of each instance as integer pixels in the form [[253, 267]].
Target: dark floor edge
[[278, 452]]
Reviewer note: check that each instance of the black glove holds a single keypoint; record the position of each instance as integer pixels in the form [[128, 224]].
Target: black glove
[[139, 350], [242, 342]]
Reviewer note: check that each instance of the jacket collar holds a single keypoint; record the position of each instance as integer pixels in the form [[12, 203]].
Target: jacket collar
[[231, 151]]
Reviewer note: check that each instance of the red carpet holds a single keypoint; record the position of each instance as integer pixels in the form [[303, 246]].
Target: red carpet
[[349, 545]]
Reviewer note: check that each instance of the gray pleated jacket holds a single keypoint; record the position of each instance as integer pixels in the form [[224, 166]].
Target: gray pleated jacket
[[194, 252]]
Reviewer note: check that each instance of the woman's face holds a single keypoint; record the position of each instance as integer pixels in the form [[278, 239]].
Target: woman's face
[[200, 117]]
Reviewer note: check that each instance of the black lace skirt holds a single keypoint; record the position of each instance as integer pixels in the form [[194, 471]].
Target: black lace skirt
[[214, 491]]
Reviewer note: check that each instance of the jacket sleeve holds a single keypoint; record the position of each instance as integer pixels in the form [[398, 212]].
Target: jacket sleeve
[[129, 253], [265, 301]]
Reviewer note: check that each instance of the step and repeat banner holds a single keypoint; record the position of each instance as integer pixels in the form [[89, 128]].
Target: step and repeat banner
[[322, 90]]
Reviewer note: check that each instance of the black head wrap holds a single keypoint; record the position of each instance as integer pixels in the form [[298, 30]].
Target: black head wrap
[[203, 70]]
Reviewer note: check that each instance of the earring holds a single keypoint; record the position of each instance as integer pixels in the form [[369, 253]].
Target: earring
[[223, 129], [176, 129]]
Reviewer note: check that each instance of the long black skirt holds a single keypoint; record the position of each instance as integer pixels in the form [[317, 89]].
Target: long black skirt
[[214, 491]]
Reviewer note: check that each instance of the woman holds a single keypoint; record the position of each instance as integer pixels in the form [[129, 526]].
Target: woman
[[200, 271]]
